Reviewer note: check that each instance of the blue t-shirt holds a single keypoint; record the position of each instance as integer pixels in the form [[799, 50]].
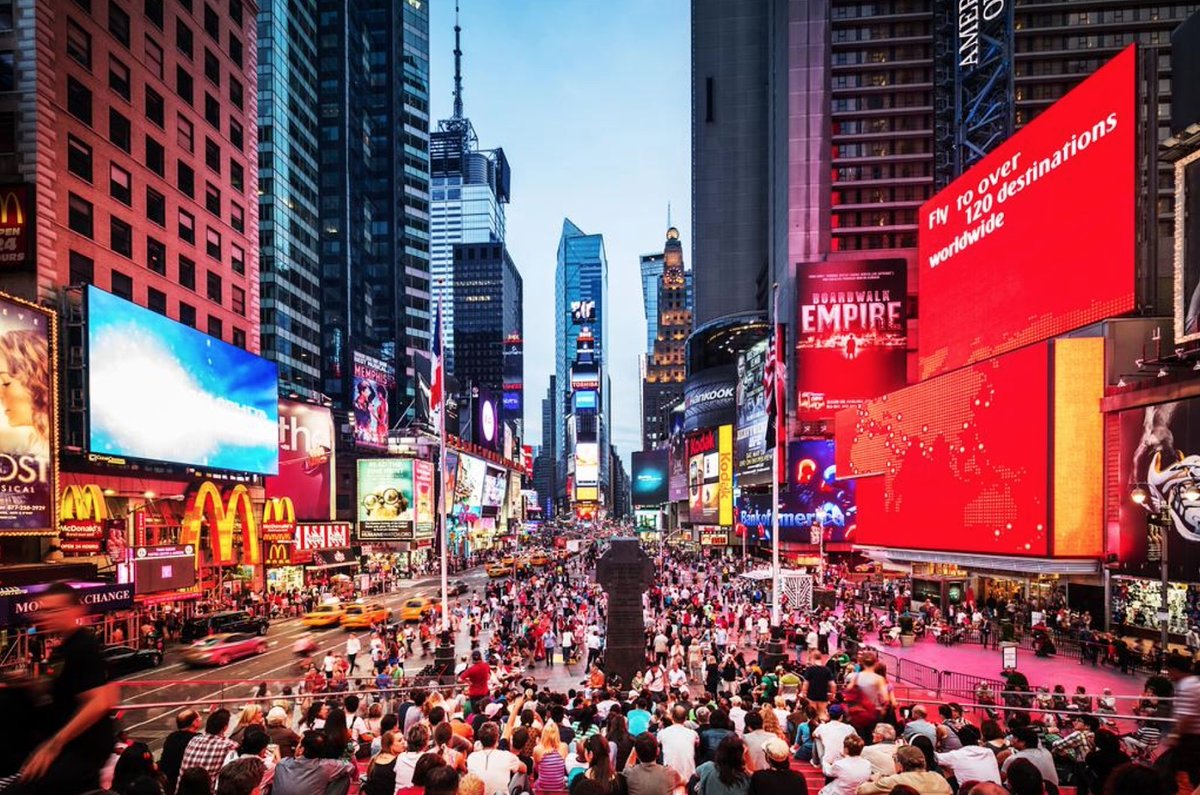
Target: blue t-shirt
[[638, 720]]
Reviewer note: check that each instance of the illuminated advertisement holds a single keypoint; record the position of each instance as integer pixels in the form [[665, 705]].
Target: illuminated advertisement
[[495, 483], [26, 435], [1004, 248], [305, 460], [162, 391], [649, 477], [677, 485], [647, 521], [703, 478], [583, 312], [585, 400], [423, 489], [163, 568], [852, 333], [709, 398], [813, 496], [725, 475], [450, 476], [587, 463], [386, 503], [1187, 250], [374, 379], [751, 455], [487, 420], [468, 491], [16, 218]]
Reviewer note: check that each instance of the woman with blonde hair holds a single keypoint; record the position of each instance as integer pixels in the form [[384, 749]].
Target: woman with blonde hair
[[252, 715], [25, 392], [550, 761], [771, 723]]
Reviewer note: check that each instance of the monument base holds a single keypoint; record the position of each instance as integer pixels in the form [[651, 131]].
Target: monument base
[[443, 663], [771, 654]]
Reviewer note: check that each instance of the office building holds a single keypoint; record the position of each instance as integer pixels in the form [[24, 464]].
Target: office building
[[545, 466], [133, 169], [289, 266], [489, 307], [651, 266], [581, 297], [374, 189], [470, 187], [666, 368]]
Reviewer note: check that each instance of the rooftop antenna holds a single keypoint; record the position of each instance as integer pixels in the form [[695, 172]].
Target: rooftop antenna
[[668, 214], [458, 102]]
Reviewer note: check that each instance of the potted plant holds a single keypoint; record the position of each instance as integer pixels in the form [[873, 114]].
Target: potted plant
[[906, 631]]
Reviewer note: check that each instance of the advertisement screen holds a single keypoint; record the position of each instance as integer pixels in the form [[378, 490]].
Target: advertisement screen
[[495, 482], [374, 379], [386, 504], [583, 312], [487, 420], [1187, 255], [852, 333], [649, 481], [648, 520], [677, 487], [512, 404], [163, 568], [162, 391], [305, 460], [16, 221], [585, 399], [468, 492], [751, 456], [28, 400], [450, 477], [961, 460], [1160, 453], [703, 478], [1050, 209], [587, 463], [813, 496], [423, 486]]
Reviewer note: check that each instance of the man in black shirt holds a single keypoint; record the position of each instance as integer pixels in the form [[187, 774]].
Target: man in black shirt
[[187, 725], [818, 686], [78, 724], [778, 778]]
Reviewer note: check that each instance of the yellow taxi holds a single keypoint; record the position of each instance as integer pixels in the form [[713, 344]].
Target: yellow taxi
[[522, 564], [419, 607], [326, 615], [507, 560], [362, 616], [539, 559], [499, 569]]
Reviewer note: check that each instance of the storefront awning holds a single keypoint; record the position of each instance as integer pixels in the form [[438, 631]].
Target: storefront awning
[[998, 564]]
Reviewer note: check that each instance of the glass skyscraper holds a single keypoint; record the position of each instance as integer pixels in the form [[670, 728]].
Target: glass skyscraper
[[289, 269], [652, 270]]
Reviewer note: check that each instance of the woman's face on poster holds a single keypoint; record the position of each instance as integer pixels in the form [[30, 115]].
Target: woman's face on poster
[[17, 400]]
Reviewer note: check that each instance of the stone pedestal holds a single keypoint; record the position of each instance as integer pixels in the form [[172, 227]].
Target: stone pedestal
[[771, 654], [625, 571]]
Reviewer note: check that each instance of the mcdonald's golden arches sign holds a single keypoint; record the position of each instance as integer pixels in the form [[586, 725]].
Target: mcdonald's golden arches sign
[[15, 209], [222, 516], [279, 519]]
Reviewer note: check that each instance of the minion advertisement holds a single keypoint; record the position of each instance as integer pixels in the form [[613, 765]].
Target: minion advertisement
[[386, 505]]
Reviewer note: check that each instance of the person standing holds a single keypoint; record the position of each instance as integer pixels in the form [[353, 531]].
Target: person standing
[[353, 647]]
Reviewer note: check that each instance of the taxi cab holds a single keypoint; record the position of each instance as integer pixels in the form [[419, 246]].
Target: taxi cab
[[539, 559], [507, 560], [362, 616], [326, 615], [418, 608], [499, 569]]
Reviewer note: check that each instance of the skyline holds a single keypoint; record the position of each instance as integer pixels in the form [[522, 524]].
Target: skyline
[[608, 179]]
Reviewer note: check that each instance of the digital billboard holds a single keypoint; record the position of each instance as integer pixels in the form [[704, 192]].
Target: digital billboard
[[649, 477], [495, 484], [16, 225], [1004, 249], [423, 489], [163, 568], [704, 470], [812, 496], [468, 491], [587, 463], [960, 461], [28, 396], [583, 312], [586, 400], [677, 486], [305, 460], [449, 478], [487, 420], [751, 455], [162, 391], [1187, 249], [386, 501], [852, 333], [374, 379], [725, 475]]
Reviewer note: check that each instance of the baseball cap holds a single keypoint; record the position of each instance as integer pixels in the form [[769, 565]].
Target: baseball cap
[[776, 750], [836, 711], [491, 709]]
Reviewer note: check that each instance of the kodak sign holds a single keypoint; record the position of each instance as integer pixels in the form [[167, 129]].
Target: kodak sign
[[15, 206], [222, 515]]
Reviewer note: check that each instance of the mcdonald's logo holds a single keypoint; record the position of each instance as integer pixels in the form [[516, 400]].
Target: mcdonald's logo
[[278, 554], [82, 504], [11, 211], [222, 517], [278, 519]]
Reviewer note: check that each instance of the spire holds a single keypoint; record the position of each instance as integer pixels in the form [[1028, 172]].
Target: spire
[[458, 102], [669, 214]]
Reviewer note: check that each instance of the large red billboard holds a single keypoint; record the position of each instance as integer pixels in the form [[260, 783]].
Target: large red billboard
[[1006, 249], [305, 460], [851, 333]]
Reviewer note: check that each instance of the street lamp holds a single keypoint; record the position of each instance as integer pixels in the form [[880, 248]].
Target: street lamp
[[1160, 519]]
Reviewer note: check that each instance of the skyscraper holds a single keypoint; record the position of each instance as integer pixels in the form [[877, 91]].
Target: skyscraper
[[374, 188], [470, 187], [666, 369], [545, 466], [289, 267], [581, 297], [651, 269], [488, 304]]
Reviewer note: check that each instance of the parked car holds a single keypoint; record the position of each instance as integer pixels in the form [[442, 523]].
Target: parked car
[[228, 621], [223, 649], [362, 616], [122, 660], [419, 607], [326, 615]]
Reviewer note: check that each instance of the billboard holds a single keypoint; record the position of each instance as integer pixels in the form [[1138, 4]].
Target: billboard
[[374, 379], [27, 393], [163, 568], [677, 484], [425, 520], [162, 391], [583, 312], [647, 521], [487, 420], [1011, 240], [1187, 249], [305, 460], [587, 463], [649, 481], [852, 333], [725, 475], [709, 398], [495, 484], [961, 460], [586, 400], [813, 496], [751, 455], [386, 502], [704, 469], [449, 478], [468, 491], [16, 221]]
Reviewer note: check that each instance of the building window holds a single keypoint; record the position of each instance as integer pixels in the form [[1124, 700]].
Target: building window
[[6, 15], [237, 258], [8, 132], [79, 158], [8, 73], [187, 314], [120, 184], [212, 155], [239, 338], [212, 199], [186, 133], [212, 22], [122, 285], [237, 176], [212, 243], [235, 12], [156, 300], [120, 235], [79, 44], [213, 287], [156, 158], [83, 269], [235, 48], [154, 12], [183, 84], [212, 110], [79, 215], [212, 67], [186, 178], [183, 38], [118, 130], [118, 23], [236, 135], [156, 256], [215, 327], [237, 217], [118, 77], [154, 57], [187, 227], [155, 108], [237, 299], [187, 273], [156, 207], [235, 93], [79, 101]]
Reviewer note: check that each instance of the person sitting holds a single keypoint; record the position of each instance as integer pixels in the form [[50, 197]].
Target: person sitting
[[910, 771], [850, 771], [312, 773]]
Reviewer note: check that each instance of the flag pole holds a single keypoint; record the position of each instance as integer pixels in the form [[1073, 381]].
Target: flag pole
[[780, 425], [445, 541]]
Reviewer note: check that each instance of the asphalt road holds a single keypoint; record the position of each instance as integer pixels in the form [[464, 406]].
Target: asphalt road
[[151, 698]]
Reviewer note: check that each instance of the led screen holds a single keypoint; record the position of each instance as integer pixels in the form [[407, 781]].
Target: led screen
[[468, 492], [495, 483], [163, 568], [585, 399], [649, 484], [751, 455], [1005, 249], [28, 400], [703, 477], [812, 495], [305, 460], [161, 391], [386, 502], [373, 381], [962, 460], [423, 490], [587, 463]]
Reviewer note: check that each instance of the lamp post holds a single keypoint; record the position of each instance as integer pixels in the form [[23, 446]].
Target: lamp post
[[1160, 520]]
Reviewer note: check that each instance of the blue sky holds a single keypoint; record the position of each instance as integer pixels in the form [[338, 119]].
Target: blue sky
[[591, 103]]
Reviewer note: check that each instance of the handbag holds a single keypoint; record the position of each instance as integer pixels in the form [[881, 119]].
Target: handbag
[[862, 711]]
